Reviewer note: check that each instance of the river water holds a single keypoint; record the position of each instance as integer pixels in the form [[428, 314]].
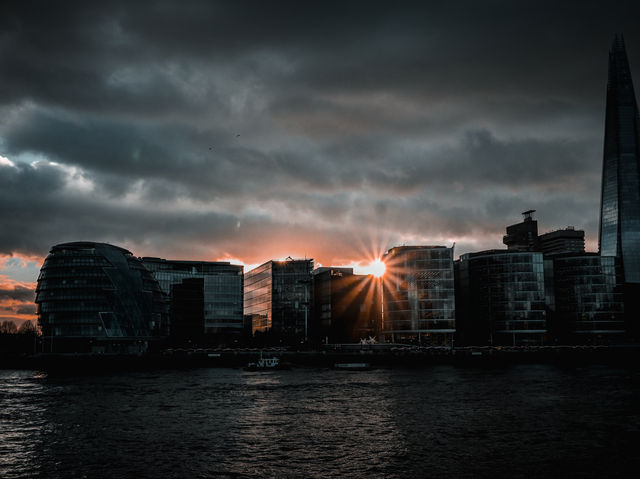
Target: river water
[[442, 421]]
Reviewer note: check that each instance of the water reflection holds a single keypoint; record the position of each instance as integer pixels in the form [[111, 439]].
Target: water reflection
[[21, 420], [440, 421], [340, 421]]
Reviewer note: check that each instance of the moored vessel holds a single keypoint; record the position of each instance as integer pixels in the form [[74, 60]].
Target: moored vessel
[[265, 364]]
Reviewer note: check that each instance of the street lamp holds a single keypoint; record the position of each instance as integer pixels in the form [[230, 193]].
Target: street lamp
[[306, 283]]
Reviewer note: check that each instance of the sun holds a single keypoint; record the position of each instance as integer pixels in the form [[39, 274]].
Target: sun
[[376, 268]]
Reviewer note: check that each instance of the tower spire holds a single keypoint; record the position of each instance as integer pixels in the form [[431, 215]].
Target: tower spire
[[620, 201]]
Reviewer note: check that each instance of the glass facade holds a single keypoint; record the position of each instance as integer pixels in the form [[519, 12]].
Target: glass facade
[[505, 291], [418, 295], [620, 204], [277, 298], [589, 298], [98, 297], [257, 298], [222, 290]]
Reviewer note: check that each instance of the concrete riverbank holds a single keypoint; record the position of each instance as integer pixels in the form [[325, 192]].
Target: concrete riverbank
[[405, 357]]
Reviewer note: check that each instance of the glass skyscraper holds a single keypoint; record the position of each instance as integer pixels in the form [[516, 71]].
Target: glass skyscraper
[[620, 205]]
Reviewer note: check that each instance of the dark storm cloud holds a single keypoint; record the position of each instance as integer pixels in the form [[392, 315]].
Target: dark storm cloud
[[125, 155], [226, 127], [17, 293], [54, 54], [35, 218], [482, 158]]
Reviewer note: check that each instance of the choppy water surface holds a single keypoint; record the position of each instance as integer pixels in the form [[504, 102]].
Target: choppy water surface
[[521, 421]]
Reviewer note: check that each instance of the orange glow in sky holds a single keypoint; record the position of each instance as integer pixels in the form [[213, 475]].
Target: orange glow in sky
[[376, 268]]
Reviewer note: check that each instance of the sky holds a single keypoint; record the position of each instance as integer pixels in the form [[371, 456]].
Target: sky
[[250, 131]]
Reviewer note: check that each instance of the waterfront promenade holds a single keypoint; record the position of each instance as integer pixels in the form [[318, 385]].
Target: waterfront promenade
[[378, 356]]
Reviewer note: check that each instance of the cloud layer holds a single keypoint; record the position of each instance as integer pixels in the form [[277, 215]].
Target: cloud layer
[[258, 130]]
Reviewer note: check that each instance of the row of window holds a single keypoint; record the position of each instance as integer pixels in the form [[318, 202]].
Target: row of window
[[424, 314], [392, 324], [88, 273], [422, 294]]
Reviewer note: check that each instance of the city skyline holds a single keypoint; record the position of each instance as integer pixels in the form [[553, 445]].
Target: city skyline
[[256, 134]]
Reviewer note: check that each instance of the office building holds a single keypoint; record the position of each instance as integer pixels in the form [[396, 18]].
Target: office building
[[523, 236], [502, 298], [418, 295], [568, 240], [277, 299], [589, 301], [220, 289], [347, 306], [95, 297], [187, 313]]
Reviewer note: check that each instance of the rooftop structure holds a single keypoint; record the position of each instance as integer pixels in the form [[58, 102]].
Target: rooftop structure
[[568, 240], [523, 236]]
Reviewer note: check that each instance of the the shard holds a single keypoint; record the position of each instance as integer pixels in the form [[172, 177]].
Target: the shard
[[620, 203]]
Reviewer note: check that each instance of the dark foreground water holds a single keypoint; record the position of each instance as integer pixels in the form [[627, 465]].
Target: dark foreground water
[[520, 421]]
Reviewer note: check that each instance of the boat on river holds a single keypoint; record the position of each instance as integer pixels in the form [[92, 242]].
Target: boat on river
[[266, 364]]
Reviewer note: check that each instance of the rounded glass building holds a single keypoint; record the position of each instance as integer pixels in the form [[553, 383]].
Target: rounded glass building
[[95, 297]]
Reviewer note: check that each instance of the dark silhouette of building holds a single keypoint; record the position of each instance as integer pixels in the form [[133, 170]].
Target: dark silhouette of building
[[347, 307], [418, 295], [222, 303], [523, 236], [187, 312], [568, 240], [589, 301], [553, 292], [277, 299], [620, 205], [95, 297], [501, 298]]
